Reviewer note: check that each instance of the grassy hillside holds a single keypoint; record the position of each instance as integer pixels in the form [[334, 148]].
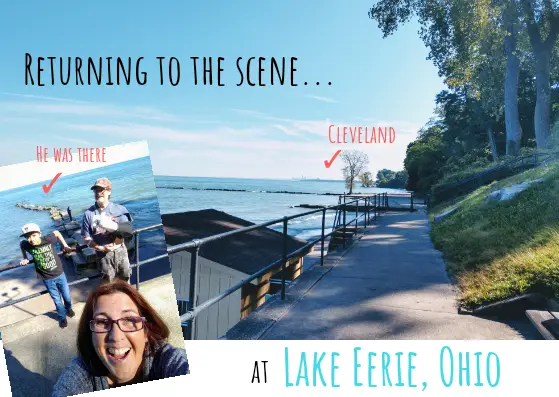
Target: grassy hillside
[[503, 249]]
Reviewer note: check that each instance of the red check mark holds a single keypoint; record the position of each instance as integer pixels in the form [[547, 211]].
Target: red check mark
[[46, 188], [329, 163]]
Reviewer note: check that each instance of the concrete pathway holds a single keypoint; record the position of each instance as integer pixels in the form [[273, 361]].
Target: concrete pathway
[[391, 284]]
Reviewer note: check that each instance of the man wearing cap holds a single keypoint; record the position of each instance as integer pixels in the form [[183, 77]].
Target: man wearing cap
[[105, 225], [48, 267]]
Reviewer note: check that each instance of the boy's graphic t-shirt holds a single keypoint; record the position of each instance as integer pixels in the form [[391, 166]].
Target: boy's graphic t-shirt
[[47, 262]]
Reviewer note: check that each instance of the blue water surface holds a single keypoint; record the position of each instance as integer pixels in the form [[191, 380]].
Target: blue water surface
[[256, 203], [133, 187]]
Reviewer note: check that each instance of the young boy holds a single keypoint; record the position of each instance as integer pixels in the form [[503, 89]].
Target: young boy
[[48, 267]]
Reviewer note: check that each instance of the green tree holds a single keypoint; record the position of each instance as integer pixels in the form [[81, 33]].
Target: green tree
[[366, 180], [424, 159], [392, 179], [465, 39], [384, 175]]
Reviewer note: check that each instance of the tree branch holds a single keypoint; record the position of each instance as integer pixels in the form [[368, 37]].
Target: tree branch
[[533, 30], [554, 32]]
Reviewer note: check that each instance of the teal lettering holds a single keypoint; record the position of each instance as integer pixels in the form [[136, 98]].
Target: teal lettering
[[303, 373]]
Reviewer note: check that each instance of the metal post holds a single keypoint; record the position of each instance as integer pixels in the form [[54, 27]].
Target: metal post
[[344, 220], [284, 261], [411, 196], [193, 292], [137, 243], [322, 240], [356, 215], [536, 159], [367, 209]]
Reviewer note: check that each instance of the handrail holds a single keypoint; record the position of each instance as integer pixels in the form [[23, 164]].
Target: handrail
[[194, 247], [536, 156], [136, 265], [380, 202]]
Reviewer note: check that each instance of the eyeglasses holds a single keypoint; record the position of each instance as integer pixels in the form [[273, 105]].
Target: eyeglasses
[[99, 190], [126, 324]]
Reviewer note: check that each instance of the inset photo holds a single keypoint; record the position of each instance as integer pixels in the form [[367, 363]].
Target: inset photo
[[87, 300]]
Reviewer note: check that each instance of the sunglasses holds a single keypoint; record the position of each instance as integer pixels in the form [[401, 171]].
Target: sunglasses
[[126, 324]]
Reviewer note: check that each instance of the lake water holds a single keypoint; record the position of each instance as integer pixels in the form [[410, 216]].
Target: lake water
[[133, 187], [254, 199]]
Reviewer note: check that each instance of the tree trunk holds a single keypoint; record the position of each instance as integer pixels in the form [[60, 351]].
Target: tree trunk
[[512, 118], [542, 53], [542, 113], [492, 143]]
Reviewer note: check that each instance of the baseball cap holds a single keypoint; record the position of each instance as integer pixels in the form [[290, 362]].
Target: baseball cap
[[102, 182], [30, 228]]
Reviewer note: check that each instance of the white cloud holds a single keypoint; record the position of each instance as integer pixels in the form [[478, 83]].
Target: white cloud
[[83, 142], [85, 109], [42, 97], [322, 98], [250, 147]]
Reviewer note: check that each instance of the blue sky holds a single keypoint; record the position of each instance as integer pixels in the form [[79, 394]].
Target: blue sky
[[276, 132]]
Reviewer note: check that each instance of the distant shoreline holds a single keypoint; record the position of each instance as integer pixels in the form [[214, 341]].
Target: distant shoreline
[[246, 190], [292, 179]]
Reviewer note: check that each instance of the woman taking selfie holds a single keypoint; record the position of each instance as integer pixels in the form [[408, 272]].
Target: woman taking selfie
[[121, 341]]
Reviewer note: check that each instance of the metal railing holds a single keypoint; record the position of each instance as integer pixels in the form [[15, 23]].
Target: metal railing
[[137, 264], [194, 247], [500, 171], [374, 202]]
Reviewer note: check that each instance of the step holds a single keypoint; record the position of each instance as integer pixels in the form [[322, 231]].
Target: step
[[341, 238], [546, 322], [72, 226], [340, 233], [89, 255], [78, 237], [79, 261], [70, 241]]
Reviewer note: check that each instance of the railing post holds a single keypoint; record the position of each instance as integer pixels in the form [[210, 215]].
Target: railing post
[[367, 209], [137, 243], [356, 215], [411, 197], [535, 159], [344, 227], [322, 240], [193, 292], [284, 261]]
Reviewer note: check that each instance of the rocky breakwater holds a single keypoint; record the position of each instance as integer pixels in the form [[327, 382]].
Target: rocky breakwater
[[56, 213]]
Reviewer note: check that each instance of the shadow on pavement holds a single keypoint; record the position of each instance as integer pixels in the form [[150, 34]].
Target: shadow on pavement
[[24, 382]]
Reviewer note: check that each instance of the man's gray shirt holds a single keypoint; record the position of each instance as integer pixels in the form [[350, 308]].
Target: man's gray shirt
[[117, 213]]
